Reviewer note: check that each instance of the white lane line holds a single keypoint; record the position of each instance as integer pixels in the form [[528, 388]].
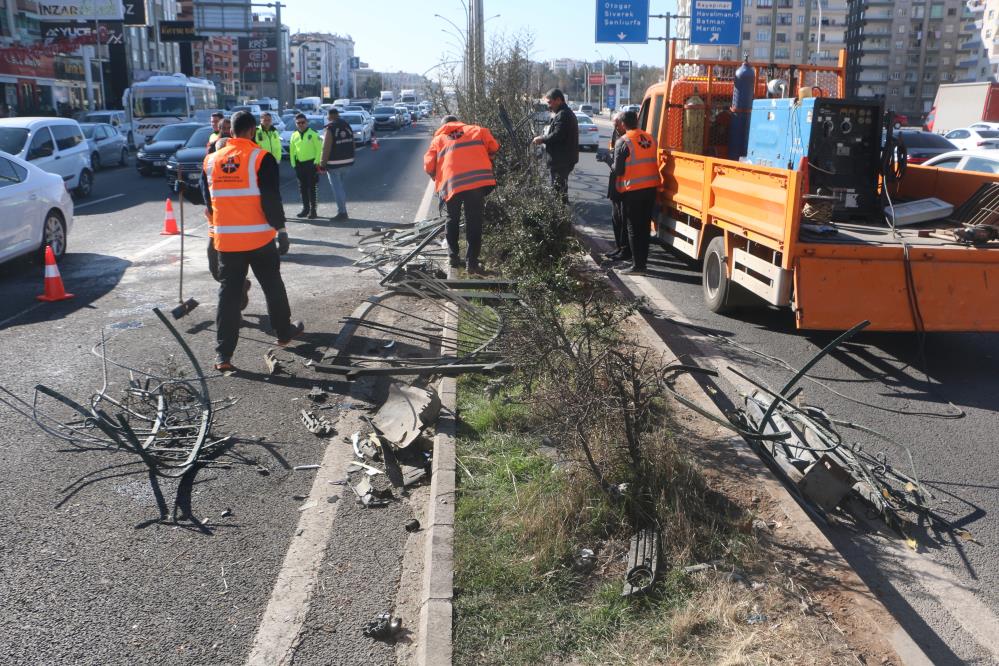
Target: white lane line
[[97, 201], [21, 313], [284, 616]]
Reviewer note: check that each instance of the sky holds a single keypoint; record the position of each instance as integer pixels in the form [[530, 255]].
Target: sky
[[404, 35]]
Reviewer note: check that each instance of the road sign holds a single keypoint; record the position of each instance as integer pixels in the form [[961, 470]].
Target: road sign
[[355, 63], [622, 22], [614, 79], [596, 79], [715, 22], [623, 66]]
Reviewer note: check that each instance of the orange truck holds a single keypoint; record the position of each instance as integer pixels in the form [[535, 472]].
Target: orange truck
[[745, 223]]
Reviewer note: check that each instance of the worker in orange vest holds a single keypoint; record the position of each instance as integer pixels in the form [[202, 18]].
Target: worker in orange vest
[[637, 179], [241, 188], [460, 160]]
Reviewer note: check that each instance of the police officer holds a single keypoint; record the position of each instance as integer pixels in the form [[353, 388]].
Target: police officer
[[267, 136], [460, 162], [637, 178], [338, 156], [241, 188], [304, 151]]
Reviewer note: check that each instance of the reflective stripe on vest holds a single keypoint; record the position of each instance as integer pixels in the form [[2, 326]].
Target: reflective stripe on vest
[[641, 168], [238, 220], [467, 181]]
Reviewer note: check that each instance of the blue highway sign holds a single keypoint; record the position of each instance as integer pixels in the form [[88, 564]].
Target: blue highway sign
[[622, 22], [715, 22]]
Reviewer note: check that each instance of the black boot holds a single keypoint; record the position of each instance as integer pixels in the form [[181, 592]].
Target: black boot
[[313, 214], [303, 213]]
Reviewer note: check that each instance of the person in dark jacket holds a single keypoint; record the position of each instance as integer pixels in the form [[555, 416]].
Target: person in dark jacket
[[561, 142], [337, 157], [622, 250]]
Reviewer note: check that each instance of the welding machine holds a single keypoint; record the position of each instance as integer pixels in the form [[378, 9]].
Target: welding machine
[[841, 139]]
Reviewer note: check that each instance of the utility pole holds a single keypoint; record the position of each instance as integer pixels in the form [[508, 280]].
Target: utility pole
[[281, 73]]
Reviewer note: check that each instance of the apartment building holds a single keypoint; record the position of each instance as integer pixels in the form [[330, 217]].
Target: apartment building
[[217, 59], [781, 31], [900, 51], [321, 64]]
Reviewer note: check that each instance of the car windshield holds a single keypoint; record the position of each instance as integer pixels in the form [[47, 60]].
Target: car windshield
[[200, 138], [175, 133], [924, 140], [583, 119], [385, 110], [353, 108], [288, 119], [155, 105], [988, 134], [353, 119], [12, 139], [88, 130], [97, 118]]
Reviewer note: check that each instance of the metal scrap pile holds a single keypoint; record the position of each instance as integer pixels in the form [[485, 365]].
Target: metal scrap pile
[[166, 421], [405, 247]]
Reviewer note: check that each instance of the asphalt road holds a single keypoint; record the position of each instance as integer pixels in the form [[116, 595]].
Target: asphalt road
[[947, 595], [90, 574]]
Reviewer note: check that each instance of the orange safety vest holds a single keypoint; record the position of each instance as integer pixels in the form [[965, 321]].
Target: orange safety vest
[[238, 220], [459, 158], [641, 170]]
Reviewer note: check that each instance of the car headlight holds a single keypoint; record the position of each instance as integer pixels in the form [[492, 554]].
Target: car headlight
[[141, 154], [171, 164]]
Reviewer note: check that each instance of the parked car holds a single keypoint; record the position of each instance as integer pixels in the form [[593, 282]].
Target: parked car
[[589, 133], [973, 139], [116, 119], [922, 146], [316, 122], [404, 118], [386, 117], [630, 107], [107, 146], [152, 157], [189, 159], [984, 161], [55, 145], [362, 132], [35, 209], [984, 125]]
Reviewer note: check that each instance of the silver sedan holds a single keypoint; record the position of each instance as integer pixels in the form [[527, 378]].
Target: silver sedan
[[107, 145]]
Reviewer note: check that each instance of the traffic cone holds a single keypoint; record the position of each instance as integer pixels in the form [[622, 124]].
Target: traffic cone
[[169, 221], [54, 291], [374, 143]]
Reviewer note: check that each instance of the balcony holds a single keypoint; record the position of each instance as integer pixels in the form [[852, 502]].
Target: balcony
[[878, 17], [966, 64]]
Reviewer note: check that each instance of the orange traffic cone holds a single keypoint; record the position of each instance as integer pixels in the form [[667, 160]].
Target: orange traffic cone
[[169, 221], [374, 143], [54, 291]]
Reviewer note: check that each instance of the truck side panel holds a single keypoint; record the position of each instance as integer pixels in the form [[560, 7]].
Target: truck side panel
[[954, 187]]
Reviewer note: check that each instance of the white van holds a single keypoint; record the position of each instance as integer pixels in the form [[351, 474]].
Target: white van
[[308, 104], [56, 145], [387, 97]]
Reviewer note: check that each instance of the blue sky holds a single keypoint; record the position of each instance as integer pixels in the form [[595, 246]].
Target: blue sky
[[393, 35]]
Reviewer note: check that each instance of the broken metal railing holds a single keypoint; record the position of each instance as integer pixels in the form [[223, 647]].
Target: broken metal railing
[[390, 252], [166, 421]]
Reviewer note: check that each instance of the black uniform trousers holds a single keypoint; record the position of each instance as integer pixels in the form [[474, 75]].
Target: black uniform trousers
[[618, 223], [473, 201], [638, 207], [308, 183], [233, 266]]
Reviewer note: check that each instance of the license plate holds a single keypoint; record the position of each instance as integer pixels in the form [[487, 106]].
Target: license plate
[[194, 176], [159, 163]]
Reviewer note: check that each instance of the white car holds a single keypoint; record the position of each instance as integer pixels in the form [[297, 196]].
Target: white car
[[56, 145], [983, 161], [35, 209], [116, 119], [970, 138], [589, 109], [589, 133], [360, 126], [984, 125]]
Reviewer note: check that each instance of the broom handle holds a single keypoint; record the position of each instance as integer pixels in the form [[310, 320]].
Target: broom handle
[[180, 196]]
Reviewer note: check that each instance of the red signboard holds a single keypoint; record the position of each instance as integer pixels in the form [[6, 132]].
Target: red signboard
[[21, 62], [596, 79], [258, 64]]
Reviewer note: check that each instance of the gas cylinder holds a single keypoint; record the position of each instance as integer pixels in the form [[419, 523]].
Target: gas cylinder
[[742, 106], [693, 124]]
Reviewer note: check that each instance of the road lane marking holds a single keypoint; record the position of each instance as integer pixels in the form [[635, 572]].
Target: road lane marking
[[284, 618], [97, 201], [20, 314]]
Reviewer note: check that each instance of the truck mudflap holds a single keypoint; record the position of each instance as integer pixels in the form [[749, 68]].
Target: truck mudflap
[[937, 289]]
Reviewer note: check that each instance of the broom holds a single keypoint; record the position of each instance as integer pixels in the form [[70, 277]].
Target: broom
[[184, 307]]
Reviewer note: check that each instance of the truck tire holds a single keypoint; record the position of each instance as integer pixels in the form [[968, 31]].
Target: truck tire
[[714, 277]]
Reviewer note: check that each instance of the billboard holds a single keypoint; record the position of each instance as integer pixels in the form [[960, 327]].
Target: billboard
[[72, 32], [90, 10], [222, 17], [257, 64], [134, 12], [179, 31]]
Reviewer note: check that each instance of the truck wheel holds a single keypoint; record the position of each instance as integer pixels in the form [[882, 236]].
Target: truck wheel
[[714, 277]]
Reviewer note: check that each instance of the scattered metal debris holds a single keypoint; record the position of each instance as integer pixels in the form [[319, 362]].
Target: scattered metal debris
[[369, 496], [273, 363], [317, 425], [383, 627], [412, 525], [585, 561], [317, 394], [643, 563], [406, 411], [166, 420], [305, 468]]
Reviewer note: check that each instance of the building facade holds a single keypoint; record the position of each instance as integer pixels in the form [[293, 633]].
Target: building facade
[[321, 65], [781, 31], [217, 59], [901, 51]]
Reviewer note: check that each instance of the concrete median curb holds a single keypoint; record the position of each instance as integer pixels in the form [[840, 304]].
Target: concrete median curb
[[867, 609]]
